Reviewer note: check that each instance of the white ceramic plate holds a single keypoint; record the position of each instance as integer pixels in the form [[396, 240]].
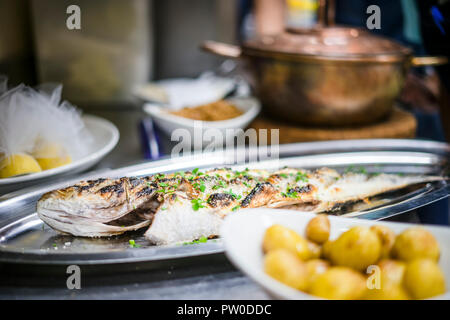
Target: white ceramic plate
[[105, 137], [169, 122], [242, 234]]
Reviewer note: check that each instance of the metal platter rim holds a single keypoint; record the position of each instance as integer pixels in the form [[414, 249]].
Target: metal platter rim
[[100, 259], [286, 151]]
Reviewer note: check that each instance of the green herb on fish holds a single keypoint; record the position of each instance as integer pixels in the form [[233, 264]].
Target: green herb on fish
[[133, 244], [301, 176], [197, 204]]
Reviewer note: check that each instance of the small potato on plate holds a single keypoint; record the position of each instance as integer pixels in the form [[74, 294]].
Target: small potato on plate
[[280, 237], [392, 271], [424, 279], [357, 248], [388, 291], [416, 243], [315, 250], [318, 229], [315, 268], [286, 267], [387, 238], [339, 283]]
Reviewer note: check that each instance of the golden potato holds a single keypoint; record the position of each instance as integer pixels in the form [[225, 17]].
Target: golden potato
[[314, 250], [388, 291], [326, 249], [424, 279], [392, 271], [51, 155], [318, 229], [280, 237], [315, 268], [416, 243], [339, 283], [356, 248], [286, 267], [387, 238]]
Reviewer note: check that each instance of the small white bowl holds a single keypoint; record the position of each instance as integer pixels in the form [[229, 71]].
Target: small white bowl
[[242, 235], [196, 128]]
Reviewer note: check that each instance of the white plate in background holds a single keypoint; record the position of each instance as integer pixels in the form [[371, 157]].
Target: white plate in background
[[168, 122], [105, 136], [242, 234]]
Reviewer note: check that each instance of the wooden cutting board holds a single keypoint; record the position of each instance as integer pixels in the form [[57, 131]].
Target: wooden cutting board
[[400, 124]]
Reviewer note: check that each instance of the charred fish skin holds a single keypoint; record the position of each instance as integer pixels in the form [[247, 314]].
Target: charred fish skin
[[89, 208], [100, 200]]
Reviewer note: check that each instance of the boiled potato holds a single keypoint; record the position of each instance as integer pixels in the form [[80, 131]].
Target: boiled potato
[[286, 267], [18, 164], [416, 243], [315, 268], [388, 291], [315, 250], [280, 237], [51, 155], [326, 249], [387, 238], [50, 163], [339, 283], [318, 229], [392, 271], [356, 248], [424, 279]]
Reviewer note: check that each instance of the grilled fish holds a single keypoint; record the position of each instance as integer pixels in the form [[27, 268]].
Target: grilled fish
[[185, 206]]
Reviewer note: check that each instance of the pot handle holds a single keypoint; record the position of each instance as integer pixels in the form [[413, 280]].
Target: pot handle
[[222, 49], [429, 61]]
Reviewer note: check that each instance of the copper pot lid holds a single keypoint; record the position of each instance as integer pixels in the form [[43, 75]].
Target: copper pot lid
[[340, 43]]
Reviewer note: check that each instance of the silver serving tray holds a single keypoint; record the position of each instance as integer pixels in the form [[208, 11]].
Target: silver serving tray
[[25, 239]]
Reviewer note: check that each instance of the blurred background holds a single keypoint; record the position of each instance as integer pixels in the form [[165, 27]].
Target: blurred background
[[123, 46]]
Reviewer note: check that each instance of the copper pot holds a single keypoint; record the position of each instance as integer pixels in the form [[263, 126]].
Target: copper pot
[[327, 75]]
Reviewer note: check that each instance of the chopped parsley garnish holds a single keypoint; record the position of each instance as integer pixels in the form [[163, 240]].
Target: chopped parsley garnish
[[200, 240], [289, 193], [353, 169], [301, 176], [133, 244], [163, 184], [235, 208], [159, 176], [247, 184], [179, 173], [196, 172], [231, 193], [197, 204], [199, 186], [220, 184], [283, 175]]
